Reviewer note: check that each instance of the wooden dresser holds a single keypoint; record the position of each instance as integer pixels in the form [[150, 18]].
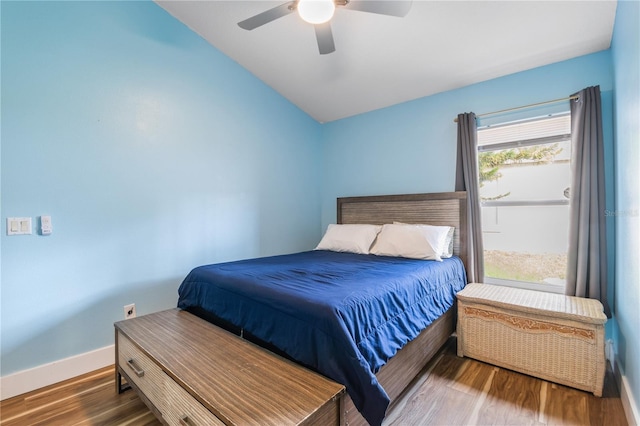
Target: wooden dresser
[[190, 372]]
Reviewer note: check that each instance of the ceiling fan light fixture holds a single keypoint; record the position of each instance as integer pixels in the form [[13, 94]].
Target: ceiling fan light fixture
[[316, 11]]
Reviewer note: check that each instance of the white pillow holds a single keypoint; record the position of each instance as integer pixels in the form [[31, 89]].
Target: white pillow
[[413, 242], [441, 237], [356, 238], [448, 244]]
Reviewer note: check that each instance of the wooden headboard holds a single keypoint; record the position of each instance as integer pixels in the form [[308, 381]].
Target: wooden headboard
[[440, 208]]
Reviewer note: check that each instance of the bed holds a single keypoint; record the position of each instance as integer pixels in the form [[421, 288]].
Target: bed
[[369, 322]]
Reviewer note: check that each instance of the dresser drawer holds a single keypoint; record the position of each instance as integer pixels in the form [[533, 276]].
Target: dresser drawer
[[183, 409], [142, 371]]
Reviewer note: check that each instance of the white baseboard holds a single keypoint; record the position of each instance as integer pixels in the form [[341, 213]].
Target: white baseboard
[[44, 375], [629, 405]]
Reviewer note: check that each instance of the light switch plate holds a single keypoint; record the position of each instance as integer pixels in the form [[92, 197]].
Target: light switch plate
[[19, 226]]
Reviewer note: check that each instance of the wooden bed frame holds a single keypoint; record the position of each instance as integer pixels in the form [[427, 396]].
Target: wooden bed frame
[[446, 208]]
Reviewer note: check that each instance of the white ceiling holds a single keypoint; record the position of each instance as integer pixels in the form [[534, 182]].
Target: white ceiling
[[382, 60]]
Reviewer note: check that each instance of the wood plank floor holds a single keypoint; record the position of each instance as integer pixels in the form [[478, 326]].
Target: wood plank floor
[[450, 391], [462, 391]]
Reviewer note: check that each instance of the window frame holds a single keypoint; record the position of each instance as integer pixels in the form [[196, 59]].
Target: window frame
[[547, 140]]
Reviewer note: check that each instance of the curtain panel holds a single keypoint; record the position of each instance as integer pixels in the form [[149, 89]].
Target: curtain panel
[[587, 257], [467, 180]]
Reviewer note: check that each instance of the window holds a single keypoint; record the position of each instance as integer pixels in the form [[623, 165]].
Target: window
[[525, 174]]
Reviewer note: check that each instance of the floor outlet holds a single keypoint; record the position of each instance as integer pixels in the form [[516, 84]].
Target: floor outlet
[[130, 311], [608, 351]]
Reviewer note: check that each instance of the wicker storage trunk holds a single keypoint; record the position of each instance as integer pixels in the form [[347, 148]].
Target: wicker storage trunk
[[551, 336]]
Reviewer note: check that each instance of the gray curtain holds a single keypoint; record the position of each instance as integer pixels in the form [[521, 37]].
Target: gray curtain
[[467, 180], [587, 257]]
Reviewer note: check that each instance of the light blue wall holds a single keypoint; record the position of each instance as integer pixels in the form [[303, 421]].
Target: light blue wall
[[153, 153], [411, 147], [625, 49]]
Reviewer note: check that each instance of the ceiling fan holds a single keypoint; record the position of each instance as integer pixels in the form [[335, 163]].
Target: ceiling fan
[[320, 12]]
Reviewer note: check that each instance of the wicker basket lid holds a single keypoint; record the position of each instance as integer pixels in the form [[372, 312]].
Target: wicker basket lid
[[535, 302]]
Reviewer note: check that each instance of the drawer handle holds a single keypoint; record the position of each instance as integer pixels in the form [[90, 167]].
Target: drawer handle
[[132, 365], [185, 421]]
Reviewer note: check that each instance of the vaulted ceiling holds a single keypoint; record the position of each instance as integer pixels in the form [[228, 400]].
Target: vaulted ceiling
[[384, 60]]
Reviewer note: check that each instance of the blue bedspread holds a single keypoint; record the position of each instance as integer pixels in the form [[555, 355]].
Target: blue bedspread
[[341, 314]]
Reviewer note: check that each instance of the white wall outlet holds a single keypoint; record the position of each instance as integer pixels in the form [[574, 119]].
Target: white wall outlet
[[130, 311]]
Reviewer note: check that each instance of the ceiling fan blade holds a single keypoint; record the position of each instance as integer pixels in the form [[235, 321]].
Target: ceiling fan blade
[[324, 36], [397, 8], [267, 16]]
